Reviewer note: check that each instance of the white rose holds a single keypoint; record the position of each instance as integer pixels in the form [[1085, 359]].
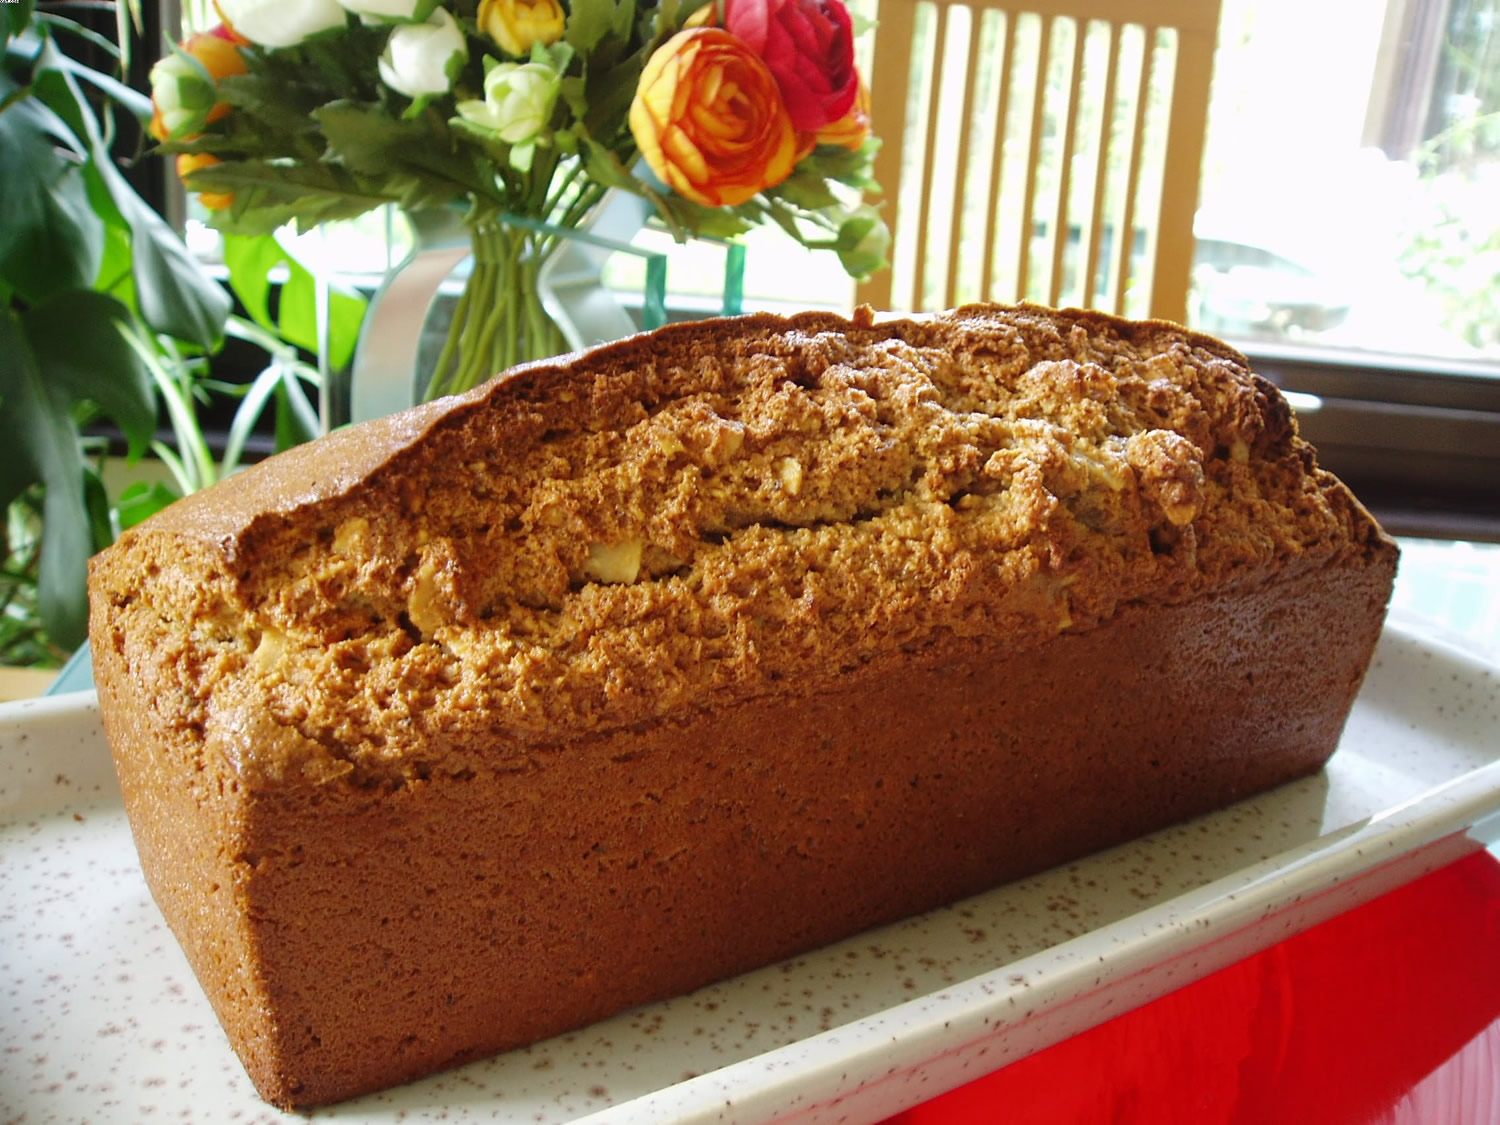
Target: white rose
[[423, 59], [518, 101], [282, 23], [390, 11]]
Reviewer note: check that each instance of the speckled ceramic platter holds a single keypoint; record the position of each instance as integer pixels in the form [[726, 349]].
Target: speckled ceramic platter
[[101, 1020]]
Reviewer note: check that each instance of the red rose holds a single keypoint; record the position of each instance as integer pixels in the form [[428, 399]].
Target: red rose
[[809, 46]]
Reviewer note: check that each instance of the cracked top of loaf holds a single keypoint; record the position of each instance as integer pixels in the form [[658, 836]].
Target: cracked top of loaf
[[714, 511]]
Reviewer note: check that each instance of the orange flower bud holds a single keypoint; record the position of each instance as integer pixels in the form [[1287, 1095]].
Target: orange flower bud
[[853, 129], [709, 119], [183, 101], [220, 57], [190, 162]]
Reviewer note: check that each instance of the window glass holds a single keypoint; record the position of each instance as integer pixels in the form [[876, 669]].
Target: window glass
[[1351, 176]]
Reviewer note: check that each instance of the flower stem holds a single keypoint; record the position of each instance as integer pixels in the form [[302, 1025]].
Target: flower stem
[[500, 320], [448, 357]]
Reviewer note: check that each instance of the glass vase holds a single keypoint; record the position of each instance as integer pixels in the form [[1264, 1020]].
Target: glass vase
[[472, 300]]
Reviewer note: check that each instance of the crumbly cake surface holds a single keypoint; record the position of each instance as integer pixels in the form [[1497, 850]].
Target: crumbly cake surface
[[705, 516]]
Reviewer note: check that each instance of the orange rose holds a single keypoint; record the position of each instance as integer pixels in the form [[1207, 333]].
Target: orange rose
[[190, 162], [853, 129], [709, 119]]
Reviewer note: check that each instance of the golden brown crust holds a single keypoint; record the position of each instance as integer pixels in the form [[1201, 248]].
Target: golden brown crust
[[732, 585], [719, 510]]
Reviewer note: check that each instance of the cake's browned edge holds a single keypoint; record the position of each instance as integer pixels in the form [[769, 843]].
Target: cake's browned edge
[[226, 862]]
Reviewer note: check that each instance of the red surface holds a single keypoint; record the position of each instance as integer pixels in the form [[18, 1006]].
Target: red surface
[[1387, 1014]]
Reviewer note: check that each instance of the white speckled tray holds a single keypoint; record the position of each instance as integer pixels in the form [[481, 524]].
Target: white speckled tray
[[100, 1018]]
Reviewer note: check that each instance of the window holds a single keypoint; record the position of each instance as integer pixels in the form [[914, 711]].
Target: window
[[1351, 167], [1348, 239]]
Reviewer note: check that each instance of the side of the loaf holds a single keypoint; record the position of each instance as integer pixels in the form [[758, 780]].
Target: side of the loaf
[[473, 725], [353, 938]]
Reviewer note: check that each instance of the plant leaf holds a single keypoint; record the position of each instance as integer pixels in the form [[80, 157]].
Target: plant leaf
[[137, 104], [806, 189], [79, 347], [48, 444], [589, 22], [14, 17], [250, 260], [369, 141], [247, 414], [299, 316], [50, 238], [140, 501], [96, 503], [176, 296], [296, 419]]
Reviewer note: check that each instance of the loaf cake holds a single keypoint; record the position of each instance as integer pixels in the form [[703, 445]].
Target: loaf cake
[[637, 669]]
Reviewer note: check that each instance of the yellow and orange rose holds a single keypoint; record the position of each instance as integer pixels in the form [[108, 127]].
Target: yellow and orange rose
[[709, 119]]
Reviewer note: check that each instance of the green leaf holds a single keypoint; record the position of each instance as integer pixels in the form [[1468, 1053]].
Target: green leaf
[[50, 238], [140, 501], [864, 243], [96, 503], [137, 104], [855, 167], [267, 197], [250, 260], [705, 222], [61, 23], [806, 189], [589, 22], [605, 168], [176, 296], [79, 346], [299, 316], [367, 140], [248, 413], [624, 20], [14, 17], [296, 420], [610, 92], [48, 451]]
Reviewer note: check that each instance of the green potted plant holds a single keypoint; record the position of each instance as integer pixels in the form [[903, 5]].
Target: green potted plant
[[90, 273], [108, 318]]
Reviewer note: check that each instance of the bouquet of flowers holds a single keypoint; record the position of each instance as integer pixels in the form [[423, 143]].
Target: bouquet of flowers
[[725, 114]]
